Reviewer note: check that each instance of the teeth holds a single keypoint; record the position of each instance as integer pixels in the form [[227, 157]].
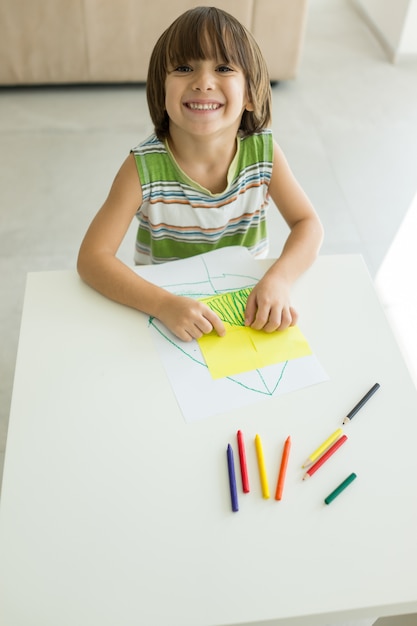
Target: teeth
[[203, 107]]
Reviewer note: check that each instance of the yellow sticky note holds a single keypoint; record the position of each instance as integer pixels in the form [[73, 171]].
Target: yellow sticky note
[[243, 349]]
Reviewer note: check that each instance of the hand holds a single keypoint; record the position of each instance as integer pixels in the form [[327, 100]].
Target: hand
[[268, 306], [190, 319]]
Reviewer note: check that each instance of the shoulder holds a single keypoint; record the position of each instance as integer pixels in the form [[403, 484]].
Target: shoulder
[[151, 145], [154, 163], [258, 146], [127, 181], [262, 137]]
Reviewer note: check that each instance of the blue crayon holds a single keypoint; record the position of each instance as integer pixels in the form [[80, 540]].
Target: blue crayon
[[232, 478]]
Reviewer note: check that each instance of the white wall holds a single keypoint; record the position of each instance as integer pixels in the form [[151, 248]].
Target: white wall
[[395, 23], [408, 44]]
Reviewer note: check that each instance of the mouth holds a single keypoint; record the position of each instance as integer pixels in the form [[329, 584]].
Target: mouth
[[203, 106]]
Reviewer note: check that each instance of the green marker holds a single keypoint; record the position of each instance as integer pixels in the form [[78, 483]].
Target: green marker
[[340, 488]]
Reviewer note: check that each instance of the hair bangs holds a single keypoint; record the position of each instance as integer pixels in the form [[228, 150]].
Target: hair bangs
[[204, 35]]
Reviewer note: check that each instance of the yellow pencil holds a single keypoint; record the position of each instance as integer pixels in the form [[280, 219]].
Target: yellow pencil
[[326, 444], [262, 468]]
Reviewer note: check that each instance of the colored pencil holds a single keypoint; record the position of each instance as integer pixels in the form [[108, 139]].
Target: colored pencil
[[283, 469], [324, 446], [313, 469], [261, 466], [360, 404], [243, 464], [340, 488]]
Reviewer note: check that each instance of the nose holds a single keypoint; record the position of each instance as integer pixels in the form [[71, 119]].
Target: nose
[[203, 80]]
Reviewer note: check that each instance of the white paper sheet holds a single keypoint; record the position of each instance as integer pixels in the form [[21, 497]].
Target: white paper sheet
[[198, 395]]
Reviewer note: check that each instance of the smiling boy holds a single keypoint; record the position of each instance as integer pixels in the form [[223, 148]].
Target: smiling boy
[[203, 180]]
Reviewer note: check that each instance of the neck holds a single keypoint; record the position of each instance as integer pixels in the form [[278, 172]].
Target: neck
[[205, 161], [195, 149]]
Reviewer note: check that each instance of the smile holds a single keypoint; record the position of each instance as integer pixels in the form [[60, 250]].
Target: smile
[[198, 106]]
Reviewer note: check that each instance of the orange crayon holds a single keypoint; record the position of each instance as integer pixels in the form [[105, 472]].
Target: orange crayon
[[283, 469]]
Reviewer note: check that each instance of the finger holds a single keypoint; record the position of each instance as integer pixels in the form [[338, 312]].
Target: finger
[[215, 322], [183, 334], [202, 326], [294, 316], [250, 311], [276, 320], [196, 333], [286, 319], [188, 332], [282, 321], [261, 319]]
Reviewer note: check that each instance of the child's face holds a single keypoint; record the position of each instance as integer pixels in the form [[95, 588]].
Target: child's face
[[206, 97]]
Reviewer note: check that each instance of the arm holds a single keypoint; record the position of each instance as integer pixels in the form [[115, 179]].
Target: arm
[[99, 267], [268, 305]]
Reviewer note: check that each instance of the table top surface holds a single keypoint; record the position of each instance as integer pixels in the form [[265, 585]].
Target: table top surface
[[114, 510]]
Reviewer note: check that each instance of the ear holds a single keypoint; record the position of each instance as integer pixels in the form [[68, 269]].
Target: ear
[[249, 107]]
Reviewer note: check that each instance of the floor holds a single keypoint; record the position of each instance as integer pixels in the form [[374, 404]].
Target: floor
[[348, 125]]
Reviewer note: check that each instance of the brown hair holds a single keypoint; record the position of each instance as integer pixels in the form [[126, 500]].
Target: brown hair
[[205, 33]]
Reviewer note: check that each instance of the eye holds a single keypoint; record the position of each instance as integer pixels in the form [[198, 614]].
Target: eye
[[224, 69], [182, 69]]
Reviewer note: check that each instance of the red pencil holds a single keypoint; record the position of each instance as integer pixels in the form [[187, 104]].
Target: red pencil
[[325, 456], [243, 465], [283, 469]]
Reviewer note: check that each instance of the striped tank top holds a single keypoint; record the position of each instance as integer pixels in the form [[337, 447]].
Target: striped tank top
[[179, 218]]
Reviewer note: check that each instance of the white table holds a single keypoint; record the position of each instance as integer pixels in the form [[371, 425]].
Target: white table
[[115, 512]]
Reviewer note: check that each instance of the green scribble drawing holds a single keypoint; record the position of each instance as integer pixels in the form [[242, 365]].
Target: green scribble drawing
[[230, 306]]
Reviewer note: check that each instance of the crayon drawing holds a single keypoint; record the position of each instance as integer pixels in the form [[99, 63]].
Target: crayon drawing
[[198, 394]]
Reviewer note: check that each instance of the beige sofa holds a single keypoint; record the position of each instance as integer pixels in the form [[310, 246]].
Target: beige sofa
[[109, 41]]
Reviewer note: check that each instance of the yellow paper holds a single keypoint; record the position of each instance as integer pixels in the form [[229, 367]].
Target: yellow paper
[[243, 349]]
